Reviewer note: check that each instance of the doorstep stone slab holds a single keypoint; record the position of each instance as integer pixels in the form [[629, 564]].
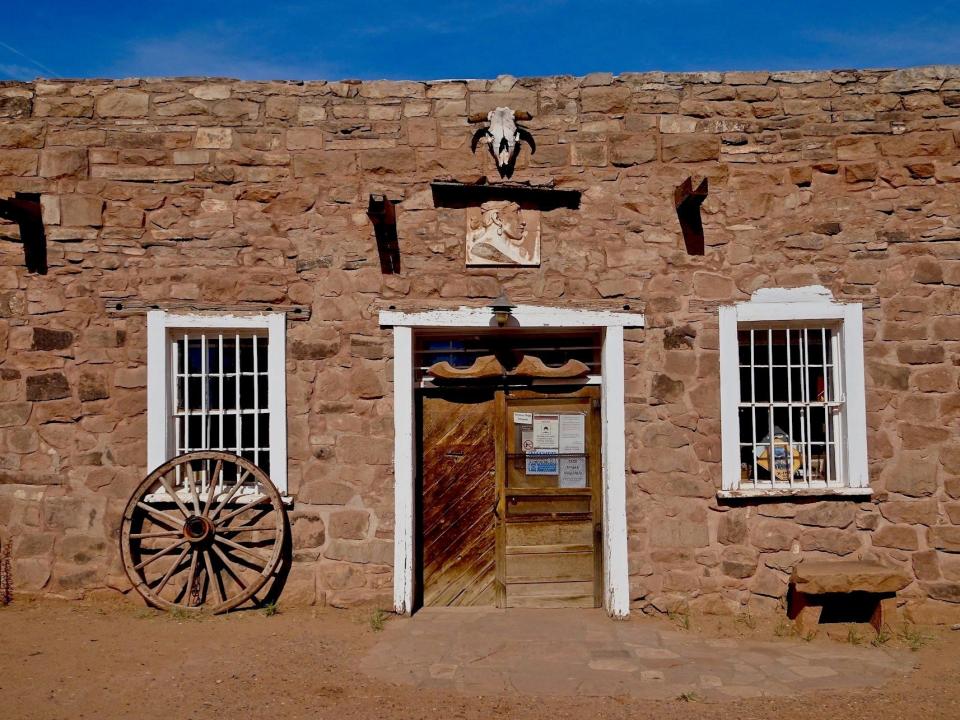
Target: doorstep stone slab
[[577, 652]]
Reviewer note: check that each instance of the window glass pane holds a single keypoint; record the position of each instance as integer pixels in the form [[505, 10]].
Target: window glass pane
[[213, 432], [780, 384], [213, 355], [229, 354], [779, 347], [263, 420], [194, 397], [230, 432], [796, 385], [816, 385], [814, 346], [194, 357], [194, 439], [760, 354], [246, 354], [262, 354], [263, 386], [745, 385], [743, 341], [246, 392], [761, 384], [213, 393], [230, 392], [746, 425], [246, 431]]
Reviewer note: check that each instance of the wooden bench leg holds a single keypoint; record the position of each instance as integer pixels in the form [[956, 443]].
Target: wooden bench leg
[[796, 602], [804, 615], [884, 613], [808, 619]]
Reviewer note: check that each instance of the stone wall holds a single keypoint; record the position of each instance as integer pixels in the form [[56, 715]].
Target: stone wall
[[215, 191]]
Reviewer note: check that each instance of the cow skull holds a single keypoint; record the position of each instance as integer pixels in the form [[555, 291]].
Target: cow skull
[[503, 136]]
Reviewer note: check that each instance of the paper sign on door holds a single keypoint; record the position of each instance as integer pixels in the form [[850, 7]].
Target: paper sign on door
[[570, 433], [573, 472], [523, 418], [546, 432]]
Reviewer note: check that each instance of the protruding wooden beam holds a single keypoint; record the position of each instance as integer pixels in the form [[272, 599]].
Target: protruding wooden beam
[[383, 214], [688, 201], [24, 209]]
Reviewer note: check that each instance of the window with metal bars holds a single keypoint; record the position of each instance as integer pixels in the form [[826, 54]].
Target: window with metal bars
[[792, 396], [790, 407], [221, 393]]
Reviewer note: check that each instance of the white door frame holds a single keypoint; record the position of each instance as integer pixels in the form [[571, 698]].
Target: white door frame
[[616, 596]]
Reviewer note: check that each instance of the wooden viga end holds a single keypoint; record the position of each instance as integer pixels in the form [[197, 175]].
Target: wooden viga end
[[488, 366]]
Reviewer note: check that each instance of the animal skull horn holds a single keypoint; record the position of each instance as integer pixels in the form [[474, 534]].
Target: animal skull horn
[[503, 135]]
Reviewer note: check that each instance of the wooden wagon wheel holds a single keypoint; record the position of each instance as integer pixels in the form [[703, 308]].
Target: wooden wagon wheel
[[204, 531]]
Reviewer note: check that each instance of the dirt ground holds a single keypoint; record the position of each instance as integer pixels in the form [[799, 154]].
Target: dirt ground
[[72, 660]]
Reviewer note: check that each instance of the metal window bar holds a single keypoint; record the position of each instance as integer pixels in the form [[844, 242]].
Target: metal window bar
[[815, 443]]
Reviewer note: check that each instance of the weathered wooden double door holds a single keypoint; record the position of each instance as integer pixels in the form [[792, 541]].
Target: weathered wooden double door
[[510, 502]]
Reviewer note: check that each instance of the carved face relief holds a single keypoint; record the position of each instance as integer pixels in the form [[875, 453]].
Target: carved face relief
[[500, 233]]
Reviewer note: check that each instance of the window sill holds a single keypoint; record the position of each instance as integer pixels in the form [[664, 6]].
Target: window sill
[[242, 498], [767, 493]]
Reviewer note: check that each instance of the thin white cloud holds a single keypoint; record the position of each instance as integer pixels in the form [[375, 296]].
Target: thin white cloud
[[215, 53], [17, 72], [35, 63]]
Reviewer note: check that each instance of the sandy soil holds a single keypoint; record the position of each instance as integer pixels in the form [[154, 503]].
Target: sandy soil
[[70, 660]]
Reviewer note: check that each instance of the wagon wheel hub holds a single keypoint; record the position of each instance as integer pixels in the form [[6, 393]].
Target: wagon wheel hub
[[196, 529]]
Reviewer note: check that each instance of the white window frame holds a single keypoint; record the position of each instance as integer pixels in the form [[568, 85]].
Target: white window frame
[[807, 304], [161, 326]]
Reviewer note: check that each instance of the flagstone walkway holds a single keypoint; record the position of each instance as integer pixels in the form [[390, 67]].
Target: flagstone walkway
[[576, 652]]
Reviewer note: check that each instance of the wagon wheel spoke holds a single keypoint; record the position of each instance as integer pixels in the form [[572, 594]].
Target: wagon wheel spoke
[[233, 491], [191, 578], [160, 515], [242, 548], [173, 495], [156, 534], [170, 572], [190, 480], [247, 528], [211, 486], [246, 506], [156, 556], [212, 577], [228, 567]]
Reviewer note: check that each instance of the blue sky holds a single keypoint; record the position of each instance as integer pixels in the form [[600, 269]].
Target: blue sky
[[456, 39]]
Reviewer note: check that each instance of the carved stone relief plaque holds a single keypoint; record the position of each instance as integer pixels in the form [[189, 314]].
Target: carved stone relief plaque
[[500, 233]]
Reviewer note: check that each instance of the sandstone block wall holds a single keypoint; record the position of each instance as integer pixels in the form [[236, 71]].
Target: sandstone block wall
[[214, 191]]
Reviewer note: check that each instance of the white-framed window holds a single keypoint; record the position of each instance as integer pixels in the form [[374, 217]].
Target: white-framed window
[[792, 405], [217, 382]]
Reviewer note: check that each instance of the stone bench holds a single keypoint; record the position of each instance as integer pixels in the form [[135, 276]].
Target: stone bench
[[814, 582]]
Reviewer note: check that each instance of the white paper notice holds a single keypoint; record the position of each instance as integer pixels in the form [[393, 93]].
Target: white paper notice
[[573, 472], [571, 433], [522, 418], [546, 432], [526, 441]]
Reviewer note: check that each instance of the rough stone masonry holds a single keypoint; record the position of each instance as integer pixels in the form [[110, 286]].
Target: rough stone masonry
[[218, 191]]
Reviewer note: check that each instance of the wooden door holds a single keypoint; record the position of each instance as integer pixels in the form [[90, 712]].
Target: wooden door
[[548, 544], [458, 540]]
